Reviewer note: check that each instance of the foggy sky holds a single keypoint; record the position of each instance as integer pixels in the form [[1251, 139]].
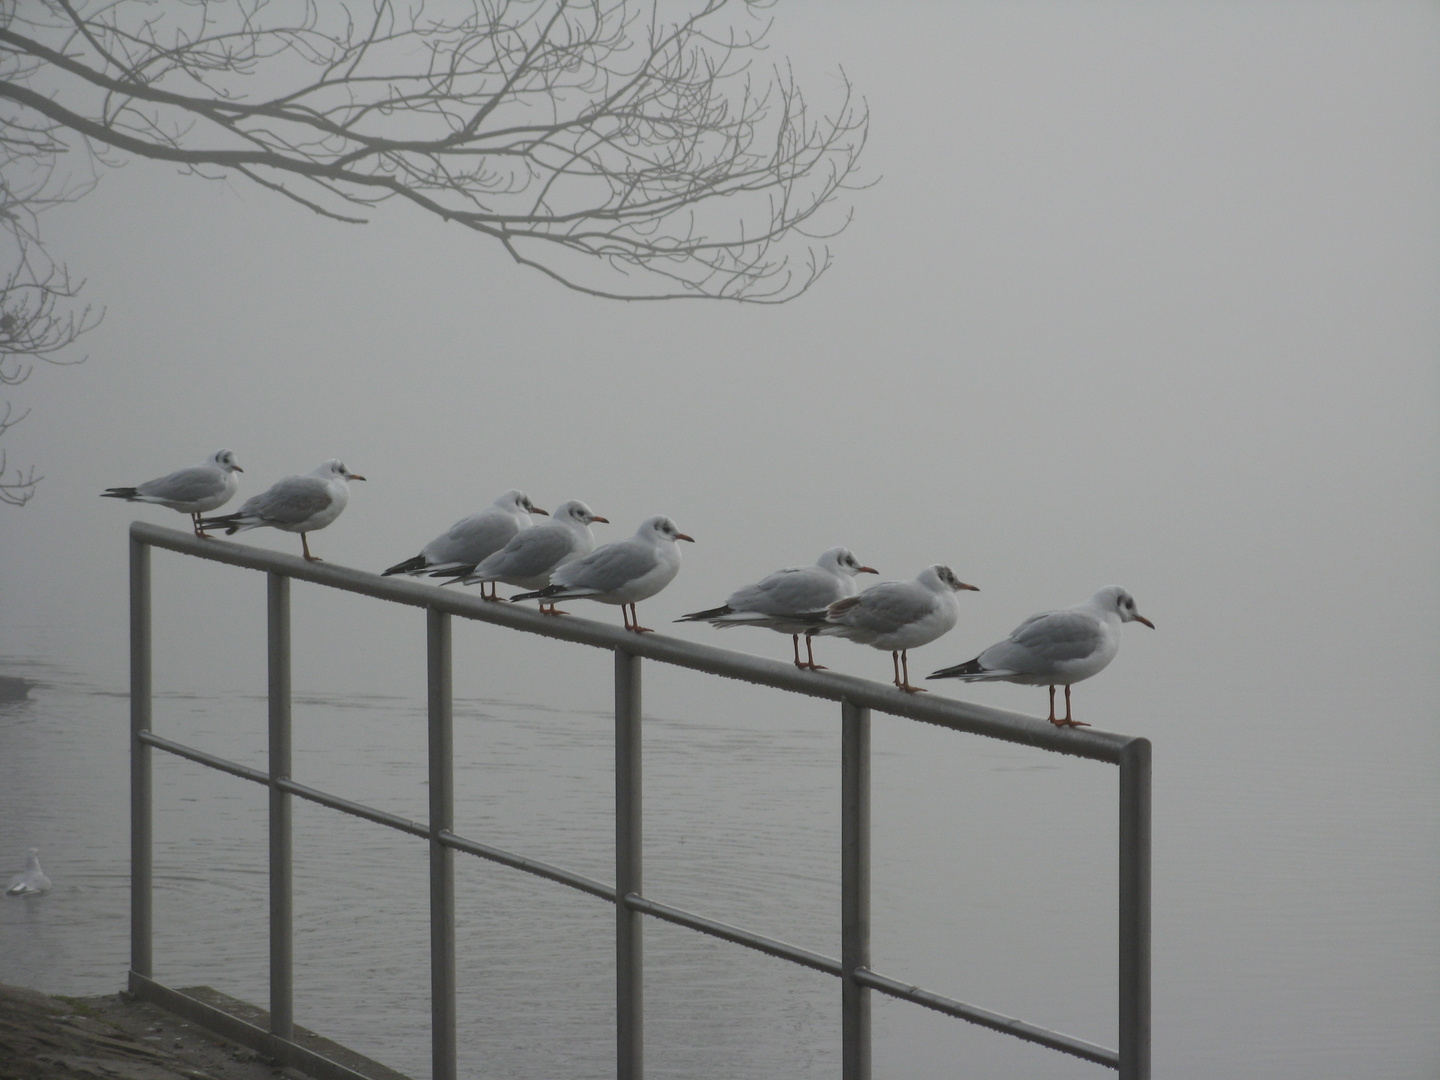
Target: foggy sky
[[1142, 294]]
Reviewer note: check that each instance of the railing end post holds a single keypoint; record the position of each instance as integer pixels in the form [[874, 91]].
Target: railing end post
[[1135, 765]]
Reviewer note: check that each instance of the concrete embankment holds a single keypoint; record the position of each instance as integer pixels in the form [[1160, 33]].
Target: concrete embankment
[[114, 1038]]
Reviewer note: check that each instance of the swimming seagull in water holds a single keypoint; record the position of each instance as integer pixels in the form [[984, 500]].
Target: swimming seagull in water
[[455, 552], [781, 600], [194, 490], [32, 881], [899, 616], [1056, 648], [297, 504], [532, 555], [624, 572]]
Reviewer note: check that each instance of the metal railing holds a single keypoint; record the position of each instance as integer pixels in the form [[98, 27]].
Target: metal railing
[[857, 698]]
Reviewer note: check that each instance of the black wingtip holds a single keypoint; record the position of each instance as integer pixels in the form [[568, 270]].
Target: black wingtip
[[702, 616], [119, 493], [410, 565], [540, 594], [970, 667], [229, 522]]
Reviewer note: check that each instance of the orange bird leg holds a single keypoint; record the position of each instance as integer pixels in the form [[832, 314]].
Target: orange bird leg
[[905, 660], [810, 652], [635, 619], [305, 547], [1069, 720]]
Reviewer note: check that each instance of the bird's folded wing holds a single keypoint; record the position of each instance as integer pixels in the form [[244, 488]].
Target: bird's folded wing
[[530, 552], [882, 609], [1060, 635], [487, 524], [290, 501], [784, 592], [185, 485], [607, 568]]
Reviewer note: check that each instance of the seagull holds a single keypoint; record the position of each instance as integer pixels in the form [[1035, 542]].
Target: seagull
[[530, 557], [623, 573], [898, 615], [32, 881], [454, 553], [779, 600], [1056, 648], [297, 504], [194, 490]]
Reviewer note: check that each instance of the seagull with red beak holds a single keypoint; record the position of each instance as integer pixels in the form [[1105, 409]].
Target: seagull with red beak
[[1056, 648], [781, 600], [624, 572], [297, 504], [899, 616]]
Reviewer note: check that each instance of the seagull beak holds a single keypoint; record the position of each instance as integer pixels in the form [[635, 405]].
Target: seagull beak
[[1147, 622], [683, 536], [353, 476], [237, 468], [867, 570], [971, 588], [597, 517], [537, 510]]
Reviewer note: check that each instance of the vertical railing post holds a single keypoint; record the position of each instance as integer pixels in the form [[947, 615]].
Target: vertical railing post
[[282, 911], [1135, 910], [629, 952], [854, 889], [442, 858], [141, 804]]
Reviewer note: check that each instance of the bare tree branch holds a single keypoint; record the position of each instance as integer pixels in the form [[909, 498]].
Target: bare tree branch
[[38, 324], [625, 150]]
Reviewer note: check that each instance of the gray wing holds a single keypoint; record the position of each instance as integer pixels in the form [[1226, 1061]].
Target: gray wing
[[606, 568], [291, 501], [190, 484], [473, 538], [884, 608], [1047, 639], [787, 592], [530, 552]]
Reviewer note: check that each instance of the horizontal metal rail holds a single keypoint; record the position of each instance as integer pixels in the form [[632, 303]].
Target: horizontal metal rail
[[857, 697], [832, 686], [726, 932], [985, 1018]]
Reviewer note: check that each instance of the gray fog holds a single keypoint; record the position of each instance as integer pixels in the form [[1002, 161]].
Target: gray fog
[[1141, 295]]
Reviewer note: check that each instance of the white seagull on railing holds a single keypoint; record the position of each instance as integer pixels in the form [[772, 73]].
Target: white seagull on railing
[[455, 552], [531, 557], [781, 601], [1056, 648], [899, 616], [623, 573], [193, 490], [297, 504]]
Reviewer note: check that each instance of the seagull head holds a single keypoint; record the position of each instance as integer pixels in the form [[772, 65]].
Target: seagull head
[[843, 560], [661, 527], [943, 579], [225, 459], [335, 469], [1114, 598], [516, 501], [576, 511]]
